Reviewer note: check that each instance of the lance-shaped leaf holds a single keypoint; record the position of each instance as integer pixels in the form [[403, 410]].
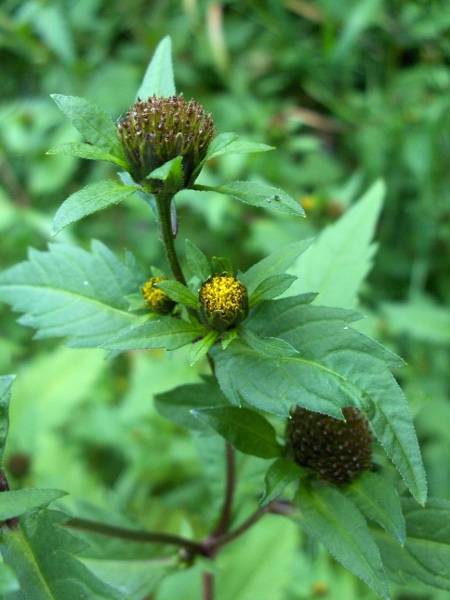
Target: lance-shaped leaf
[[6, 382], [178, 293], [333, 519], [87, 151], [158, 79], [68, 292], [217, 146], [91, 121], [16, 502], [90, 199], [336, 366], [271, 288], [425, 557], [274, 264], [41, 554], [166, 332], [227, 144], [201, 347], [171, 173], [197, 261], [378, 500], [280, 474], [257, 194], [246, 430]]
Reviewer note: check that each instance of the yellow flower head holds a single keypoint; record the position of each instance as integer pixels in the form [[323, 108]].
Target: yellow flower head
[[157, 300], [224, 301]]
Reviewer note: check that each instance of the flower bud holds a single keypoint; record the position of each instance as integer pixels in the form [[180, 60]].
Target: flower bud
[[223, 302], [157, 300], [157, 130], [338, 451]]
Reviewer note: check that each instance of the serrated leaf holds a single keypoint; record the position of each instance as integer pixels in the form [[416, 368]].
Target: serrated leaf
[[90, 199], [378, 500], [176, 405], [271, 288], [178, 293], [158, 79], [256, 194], [68, 292], [280, 474], [269, 346], [201, 347], [339, 260], [197, 261], [274, 264], [425, 556], [336, 366], [248, 431], [91, 121], [87, 151], [41, 554], [16, 502], [6, 382], [334, 520], [166, 332]]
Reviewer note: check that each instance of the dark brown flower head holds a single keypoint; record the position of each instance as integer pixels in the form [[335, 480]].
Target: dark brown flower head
[[338, 451], [157, 130], [224, 302], [156, 299]]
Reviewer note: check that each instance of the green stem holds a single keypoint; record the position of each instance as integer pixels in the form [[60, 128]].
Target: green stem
[[134, 534], [164, 203]]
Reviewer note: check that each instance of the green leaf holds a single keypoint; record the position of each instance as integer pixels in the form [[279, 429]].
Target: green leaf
[[91, 121], [158, 79], [201, 347], [8, 581], [338, 262], [271, 288], [281, 473], [87, 151], [41, 553], [248, 431], [336, 366], [177, 404], [68, 292], [90, 199], [197, 261], [256, 194], [274, 264], [426, 554], [218, 145], [135, 578], [171, 173], [238, 147], [421, 319], [269, 346], [378, 500], [166, 332], [6, 382], [17, 502], [334, 520], [178, 293]]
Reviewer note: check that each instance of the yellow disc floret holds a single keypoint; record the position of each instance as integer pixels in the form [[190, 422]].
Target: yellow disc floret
[[224, 301], [157, 300]]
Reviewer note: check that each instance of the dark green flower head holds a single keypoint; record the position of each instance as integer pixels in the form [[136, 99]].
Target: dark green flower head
[[338, 451], [157, 130], [223, 302], [156, 299]]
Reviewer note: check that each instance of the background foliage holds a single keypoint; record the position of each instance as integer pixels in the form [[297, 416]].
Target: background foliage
[[347, 92]]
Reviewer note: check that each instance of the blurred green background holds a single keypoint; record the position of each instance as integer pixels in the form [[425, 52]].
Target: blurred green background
[[347, 91]]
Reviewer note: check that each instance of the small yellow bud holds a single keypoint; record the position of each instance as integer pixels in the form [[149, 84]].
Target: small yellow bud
[[157, 300], [224, 302]]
